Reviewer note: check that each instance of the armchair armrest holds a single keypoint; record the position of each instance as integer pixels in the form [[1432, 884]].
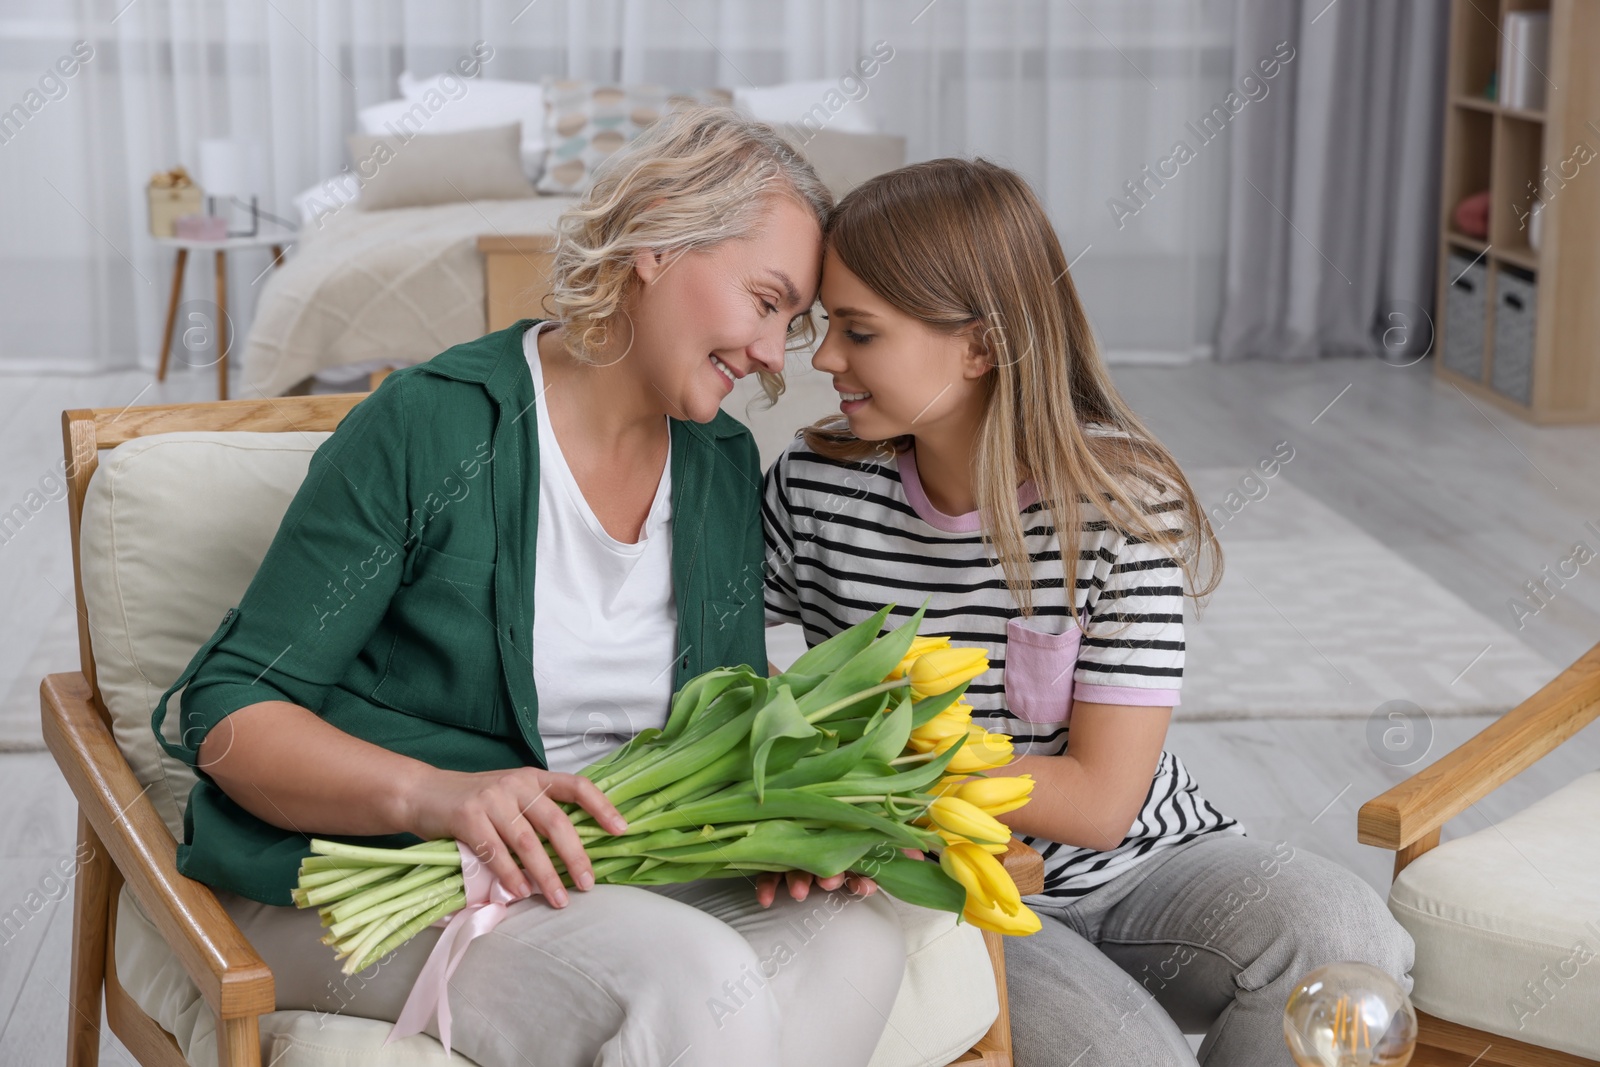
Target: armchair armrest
[[1024, 865], [1415, 809], [225, 967]]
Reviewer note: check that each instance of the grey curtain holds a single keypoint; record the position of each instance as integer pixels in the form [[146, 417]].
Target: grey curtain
[[1334, 181]]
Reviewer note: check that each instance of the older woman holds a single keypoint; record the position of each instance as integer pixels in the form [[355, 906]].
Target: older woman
[[499, 568]]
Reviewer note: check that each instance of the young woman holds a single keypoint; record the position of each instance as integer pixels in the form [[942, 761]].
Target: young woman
[[984, 463], [499, 568]]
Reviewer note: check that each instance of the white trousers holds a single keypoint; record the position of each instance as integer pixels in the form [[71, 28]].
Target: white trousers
[[681, 975]]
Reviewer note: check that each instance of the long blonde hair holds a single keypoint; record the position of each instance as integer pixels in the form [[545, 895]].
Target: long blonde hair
[[693, 180], [955, 243]]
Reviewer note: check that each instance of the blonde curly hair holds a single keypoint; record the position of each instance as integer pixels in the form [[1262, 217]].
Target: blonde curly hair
[[693, 180]]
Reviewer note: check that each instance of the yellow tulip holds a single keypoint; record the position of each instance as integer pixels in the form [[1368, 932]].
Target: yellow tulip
[[996, 795], [943, 669], [953, 721], [1023, 923], [970, 821], [919, 646], [984, 751], [981, 875], [956, 839], [993, 902]]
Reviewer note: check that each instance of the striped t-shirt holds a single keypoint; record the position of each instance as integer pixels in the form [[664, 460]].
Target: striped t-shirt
[[845, 538]]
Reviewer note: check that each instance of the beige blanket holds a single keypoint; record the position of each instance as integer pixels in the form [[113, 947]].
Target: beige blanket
[[379, 288]]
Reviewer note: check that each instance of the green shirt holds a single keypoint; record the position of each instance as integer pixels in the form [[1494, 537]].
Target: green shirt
[[396, 599]]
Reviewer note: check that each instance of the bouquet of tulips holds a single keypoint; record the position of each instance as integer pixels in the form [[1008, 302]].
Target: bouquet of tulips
[[862, 749]]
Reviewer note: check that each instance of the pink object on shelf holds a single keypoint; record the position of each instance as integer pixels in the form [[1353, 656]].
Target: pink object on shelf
[[1471, 215], [200, 227]]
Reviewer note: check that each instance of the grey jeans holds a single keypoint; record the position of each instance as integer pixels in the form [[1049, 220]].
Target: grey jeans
[[1208, 937], [689, 974]]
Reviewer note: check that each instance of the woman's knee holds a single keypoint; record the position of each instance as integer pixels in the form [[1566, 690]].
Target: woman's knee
[[831, 936], [659, 972], [1322, 913], [1069, 1003]]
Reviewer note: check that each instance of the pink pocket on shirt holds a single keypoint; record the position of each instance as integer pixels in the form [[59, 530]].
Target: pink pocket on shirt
[[1038, 672]]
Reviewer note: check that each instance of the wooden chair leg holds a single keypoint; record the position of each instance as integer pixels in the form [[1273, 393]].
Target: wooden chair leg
[[996, 1044], [172, 312], [239, 1042], [993, 1049], [91, 903], [222, 325]]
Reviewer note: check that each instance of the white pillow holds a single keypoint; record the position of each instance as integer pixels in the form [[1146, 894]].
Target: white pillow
[[451, 103], [821, 103], [327, 197], [474, 103]]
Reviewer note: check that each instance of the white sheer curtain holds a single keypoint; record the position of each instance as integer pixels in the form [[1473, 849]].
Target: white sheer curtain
[[1078, 95]]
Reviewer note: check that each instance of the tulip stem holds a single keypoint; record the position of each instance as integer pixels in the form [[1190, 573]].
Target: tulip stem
[[856, 698], [880, 797], [920, 757]]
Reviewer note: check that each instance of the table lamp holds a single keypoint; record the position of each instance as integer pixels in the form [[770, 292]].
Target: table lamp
[[222, 175]]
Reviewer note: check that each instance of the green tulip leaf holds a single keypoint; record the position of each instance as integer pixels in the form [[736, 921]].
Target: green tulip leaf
[[823, 659], [800, 684], [822, 767], [920, 882], [662, 873], [866, 668], [886, 737], [780, 718], [683, 761], [787, 751], [622, 755], [696, 693], [742, 806], [916, 777], [848, 730], [775, 842], [924, 710]]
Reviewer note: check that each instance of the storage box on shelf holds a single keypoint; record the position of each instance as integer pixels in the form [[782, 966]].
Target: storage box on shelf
[[1519, 325]]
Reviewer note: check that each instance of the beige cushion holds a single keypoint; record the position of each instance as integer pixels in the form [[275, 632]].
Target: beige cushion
[[174, 526], [842, 159], [1507, 924], [417, 169], [947, 998]]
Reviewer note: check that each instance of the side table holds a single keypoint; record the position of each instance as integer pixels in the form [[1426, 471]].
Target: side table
[[274, 237], [516, 276]]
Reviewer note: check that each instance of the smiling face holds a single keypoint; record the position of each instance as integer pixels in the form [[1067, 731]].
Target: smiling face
[[894, 374], [709, 316]]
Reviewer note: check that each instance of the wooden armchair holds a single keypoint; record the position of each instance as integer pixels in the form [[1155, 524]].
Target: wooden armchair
[[1407, 819], [126, 839]]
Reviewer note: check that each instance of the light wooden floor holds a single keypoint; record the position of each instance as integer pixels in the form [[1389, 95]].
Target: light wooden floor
[[1474, 498]]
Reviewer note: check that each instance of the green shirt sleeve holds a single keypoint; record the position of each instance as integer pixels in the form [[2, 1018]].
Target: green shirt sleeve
[[325, 583]]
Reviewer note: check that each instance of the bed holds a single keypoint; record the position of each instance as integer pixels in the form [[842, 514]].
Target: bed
[[367, 290]]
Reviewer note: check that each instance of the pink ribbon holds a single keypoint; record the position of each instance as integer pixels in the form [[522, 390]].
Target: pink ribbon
[[487, 901]]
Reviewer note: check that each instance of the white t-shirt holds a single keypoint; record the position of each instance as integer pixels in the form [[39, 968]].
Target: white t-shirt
[[605, 634]]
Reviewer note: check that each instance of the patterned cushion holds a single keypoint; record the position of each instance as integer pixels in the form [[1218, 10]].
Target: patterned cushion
[[585, 123]]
